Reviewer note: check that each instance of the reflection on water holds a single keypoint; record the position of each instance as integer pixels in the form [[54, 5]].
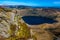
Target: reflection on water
[[34, 20]]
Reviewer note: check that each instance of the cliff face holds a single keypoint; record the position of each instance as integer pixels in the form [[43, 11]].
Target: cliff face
[[51, 13]]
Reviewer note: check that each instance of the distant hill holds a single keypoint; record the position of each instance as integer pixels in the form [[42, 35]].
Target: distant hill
[[24, 6]]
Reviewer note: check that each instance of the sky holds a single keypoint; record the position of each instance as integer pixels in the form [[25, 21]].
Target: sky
[[48, 3]]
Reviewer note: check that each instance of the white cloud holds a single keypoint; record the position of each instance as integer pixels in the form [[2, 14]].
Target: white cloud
[[16, 3], [11, 3], [57, 2]]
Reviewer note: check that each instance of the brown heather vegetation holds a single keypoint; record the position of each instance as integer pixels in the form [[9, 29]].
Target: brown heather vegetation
[[43, 31]]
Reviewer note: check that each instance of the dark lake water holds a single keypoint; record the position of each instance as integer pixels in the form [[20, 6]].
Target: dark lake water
[[35, 20]]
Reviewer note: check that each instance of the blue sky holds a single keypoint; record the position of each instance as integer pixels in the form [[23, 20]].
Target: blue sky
[[31, 2]]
